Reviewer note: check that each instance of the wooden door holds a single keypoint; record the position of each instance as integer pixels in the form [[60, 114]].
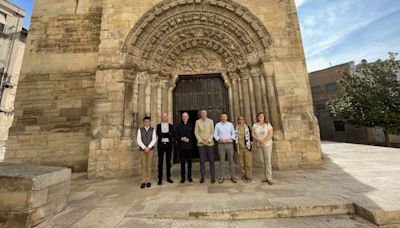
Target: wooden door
[[198, 92]]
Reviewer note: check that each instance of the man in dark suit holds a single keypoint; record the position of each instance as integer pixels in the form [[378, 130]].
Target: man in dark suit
[[185, 137], [166, 137]]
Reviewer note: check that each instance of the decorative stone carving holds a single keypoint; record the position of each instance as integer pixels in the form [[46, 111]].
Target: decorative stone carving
[[235, 36], [199, 61]]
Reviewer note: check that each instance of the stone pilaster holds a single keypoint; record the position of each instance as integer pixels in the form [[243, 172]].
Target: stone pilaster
[[272, 99], [128, 110]]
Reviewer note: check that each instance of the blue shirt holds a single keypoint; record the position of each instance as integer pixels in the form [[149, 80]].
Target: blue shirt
[[224, 131]]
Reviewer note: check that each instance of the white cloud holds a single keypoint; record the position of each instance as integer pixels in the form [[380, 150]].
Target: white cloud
[[328, 27], [300, 2]]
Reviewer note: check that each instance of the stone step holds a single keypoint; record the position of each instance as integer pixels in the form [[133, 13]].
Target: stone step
[[255, 213], [334, 221]]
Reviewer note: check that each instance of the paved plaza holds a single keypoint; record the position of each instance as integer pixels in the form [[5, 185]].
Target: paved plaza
[[354, 182]]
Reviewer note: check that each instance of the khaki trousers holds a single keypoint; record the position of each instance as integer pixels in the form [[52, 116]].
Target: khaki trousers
[[245, 159], [146, 160], [265, 157]]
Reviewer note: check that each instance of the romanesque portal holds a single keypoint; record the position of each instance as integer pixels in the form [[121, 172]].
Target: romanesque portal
[[112, 62]]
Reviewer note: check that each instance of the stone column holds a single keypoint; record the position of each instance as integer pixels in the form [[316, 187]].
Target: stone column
[[256, 75], [252, 100], [241, 100], [128, 110], [147, 100], [141, 80], [170, 100], [164, 89], [265, 96], [230, 98], [244, 74], [135, 107], [235, 94], [159, 97]]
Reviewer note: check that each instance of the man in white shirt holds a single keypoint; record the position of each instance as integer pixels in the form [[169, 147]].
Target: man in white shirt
[[146, 139], [225, 134], [166, 136]]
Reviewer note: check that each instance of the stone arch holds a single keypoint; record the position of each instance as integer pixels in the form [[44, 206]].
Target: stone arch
[[172, 27]]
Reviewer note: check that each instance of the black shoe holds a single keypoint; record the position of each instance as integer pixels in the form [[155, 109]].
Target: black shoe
[[159, 182], [169, 180], [212, 180], [182, 180], [143, 185], [148, 185], [202, 180], [190, 180]]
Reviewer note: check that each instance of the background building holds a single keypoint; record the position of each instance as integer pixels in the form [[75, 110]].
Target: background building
[[324, 87], [12, 46]]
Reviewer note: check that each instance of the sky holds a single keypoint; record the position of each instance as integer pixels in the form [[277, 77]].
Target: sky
[[335, 31]]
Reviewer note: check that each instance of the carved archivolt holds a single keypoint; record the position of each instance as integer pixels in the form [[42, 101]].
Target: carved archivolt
[[171, 29]]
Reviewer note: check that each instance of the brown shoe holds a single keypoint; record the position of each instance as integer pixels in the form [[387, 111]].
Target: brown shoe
[[212, 180], [248, 180], [270, 182], [221, 180], [233, 179], [202, 180], [244, 178]]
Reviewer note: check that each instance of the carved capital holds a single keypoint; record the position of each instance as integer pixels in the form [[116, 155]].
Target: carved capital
[[255, 71], [244, 73], [141, 78]]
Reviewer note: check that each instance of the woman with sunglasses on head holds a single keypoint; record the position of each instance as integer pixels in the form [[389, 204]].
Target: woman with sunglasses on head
[[262, 133]]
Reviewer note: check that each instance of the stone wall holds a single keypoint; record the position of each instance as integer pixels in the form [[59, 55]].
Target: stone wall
[[55, 95]]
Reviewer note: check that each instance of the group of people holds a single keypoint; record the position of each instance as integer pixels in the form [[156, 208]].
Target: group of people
[[204, 135]]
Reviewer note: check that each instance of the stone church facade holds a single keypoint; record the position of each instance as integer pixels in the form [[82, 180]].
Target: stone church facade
[[93, 69]]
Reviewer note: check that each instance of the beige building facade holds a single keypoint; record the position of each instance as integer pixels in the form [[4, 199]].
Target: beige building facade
[[93, 69], [12, 46], [324, 88]]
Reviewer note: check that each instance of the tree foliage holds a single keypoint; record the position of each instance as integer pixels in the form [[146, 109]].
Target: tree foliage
[[371, 96]]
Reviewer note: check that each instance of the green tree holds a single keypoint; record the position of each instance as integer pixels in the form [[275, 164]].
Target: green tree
[[371, 96]]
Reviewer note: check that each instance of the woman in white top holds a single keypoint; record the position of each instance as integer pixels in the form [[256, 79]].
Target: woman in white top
[[262, 134]]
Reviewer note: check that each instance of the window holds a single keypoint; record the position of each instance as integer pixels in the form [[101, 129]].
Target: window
[[2, 21], [339, 125], [320, 107], [331, 86], [316, 89]]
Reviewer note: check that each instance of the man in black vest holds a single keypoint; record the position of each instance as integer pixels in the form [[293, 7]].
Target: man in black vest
[[166, 136], [185, 137], [146, 139]]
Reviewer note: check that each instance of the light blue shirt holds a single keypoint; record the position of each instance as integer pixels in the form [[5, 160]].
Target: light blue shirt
[[224, 131]]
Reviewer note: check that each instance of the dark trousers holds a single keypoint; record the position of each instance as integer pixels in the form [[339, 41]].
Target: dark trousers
[[167, 150], [186, 157], [206, 152]]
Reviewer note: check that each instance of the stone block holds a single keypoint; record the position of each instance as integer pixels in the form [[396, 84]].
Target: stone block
[[31, 194]]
